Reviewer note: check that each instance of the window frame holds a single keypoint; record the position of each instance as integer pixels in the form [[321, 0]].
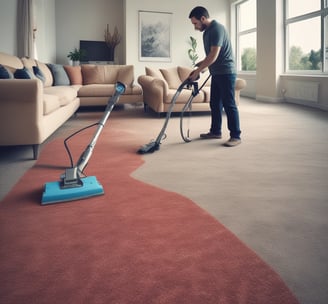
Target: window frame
[[322, 13], [239, 34]]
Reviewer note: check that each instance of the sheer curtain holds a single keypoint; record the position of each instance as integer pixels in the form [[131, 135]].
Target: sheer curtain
[[26, 29]]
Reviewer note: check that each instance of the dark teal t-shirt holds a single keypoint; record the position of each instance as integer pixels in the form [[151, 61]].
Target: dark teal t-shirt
[[216, 35]]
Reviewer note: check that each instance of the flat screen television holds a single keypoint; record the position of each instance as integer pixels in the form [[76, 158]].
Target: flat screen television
[[94, 51]]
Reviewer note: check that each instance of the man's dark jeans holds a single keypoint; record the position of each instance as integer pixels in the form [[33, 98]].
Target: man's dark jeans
[[223, 97]]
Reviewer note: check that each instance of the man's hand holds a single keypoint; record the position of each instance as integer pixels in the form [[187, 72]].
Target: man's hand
[[194, 75], [203, 65]]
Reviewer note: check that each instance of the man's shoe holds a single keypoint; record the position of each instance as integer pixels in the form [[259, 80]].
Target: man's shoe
[[232, 142], [210, 135]]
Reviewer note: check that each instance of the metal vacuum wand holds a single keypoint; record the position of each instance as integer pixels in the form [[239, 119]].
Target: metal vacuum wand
[[71, 178]]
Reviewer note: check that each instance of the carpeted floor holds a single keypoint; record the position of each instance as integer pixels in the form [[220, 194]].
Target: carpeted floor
[[271, 191], [135, 244]]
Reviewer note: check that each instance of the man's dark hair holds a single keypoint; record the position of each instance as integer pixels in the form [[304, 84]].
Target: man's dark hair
[[198, 12]]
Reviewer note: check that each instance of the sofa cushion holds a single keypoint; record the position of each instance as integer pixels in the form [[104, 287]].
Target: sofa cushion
[[110, 73], [59, 75], [46, 72], [207, 93], [107, 74], [24, 73], [50, 103], [184, 72], [92, 74], [106, 90], [32, 65], [156, 73], [184, 96], [133, 90], [74, 74], [11, 61], [38, 73], [47, 78], [126, 74], [172, 78], [97, 90], [65, 94], [5, 73], [28, 62]]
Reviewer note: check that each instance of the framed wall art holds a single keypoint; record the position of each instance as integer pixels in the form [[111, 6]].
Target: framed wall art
[[154, 36]]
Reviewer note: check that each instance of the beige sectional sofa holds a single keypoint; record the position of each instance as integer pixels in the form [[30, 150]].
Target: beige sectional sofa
[[32, 109], [160, 85], [99, 83]]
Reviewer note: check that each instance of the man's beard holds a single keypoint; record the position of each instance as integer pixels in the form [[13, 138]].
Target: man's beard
[[203, 27]]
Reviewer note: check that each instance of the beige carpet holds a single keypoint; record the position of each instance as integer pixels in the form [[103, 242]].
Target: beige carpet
[[271, 191]]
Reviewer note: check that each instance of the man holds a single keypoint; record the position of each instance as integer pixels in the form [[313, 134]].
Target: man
[[220, 62]]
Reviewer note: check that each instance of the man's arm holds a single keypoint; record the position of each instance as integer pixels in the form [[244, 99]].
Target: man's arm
[[204, 64]]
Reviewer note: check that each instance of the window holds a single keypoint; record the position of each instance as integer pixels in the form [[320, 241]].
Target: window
[[246, 35], [305, 29]]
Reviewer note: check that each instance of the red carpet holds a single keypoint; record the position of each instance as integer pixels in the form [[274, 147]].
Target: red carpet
[[135, 244]]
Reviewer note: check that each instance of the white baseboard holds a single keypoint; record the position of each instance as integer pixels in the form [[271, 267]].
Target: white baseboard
[[306, 103]]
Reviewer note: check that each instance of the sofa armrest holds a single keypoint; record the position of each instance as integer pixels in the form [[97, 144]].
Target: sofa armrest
[[154, 91], [152, 83], [21, 104], [240, 84]]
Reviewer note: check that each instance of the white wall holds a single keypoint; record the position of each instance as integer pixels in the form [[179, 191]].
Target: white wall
[[86, 20], [8, 12], [267, 47], [46, 28], [181, 28]]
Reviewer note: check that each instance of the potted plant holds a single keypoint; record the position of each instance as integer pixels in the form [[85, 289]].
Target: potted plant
[[76, 55], [192, 53]]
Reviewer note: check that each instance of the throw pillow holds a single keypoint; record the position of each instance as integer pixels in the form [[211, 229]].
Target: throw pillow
[[184, 72], [28, 62], [172, 77], [24, 73], [126, 75], [46, 72], [153, 73], [92, 74], [5, 73], [59, 74], [74, 74], [38, 73]]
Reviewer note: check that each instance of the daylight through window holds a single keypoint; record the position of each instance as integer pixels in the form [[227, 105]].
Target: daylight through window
[[306, 44], [246, 35]]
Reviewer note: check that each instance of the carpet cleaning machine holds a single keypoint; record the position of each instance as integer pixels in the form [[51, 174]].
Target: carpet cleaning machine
[[71, 185], [153, 146]]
